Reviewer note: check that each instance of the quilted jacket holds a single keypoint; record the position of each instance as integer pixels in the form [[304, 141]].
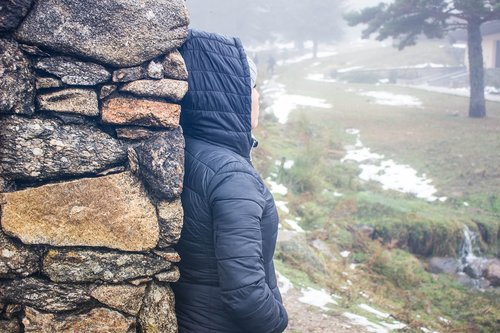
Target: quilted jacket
[[228, 283]]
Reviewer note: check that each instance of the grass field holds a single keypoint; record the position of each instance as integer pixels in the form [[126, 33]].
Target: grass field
[[460, 155]]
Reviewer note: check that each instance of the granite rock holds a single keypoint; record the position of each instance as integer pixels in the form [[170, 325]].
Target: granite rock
[[38, 149], [44, 295], [98, 320], [134, 133], [140, 281], [161, 163], [107, 90], [89, 266], [155, 70], [12, 12], [125, 298], [17, 94], [129, 74], [47, 82], [12, 311], [16, 260], [73, 100], [493, 272], [10, 326], [172, 275], [74, 72], [170, 218], [121, 33], [111, 211], [174, 66], [447, 265], [173, 90], [168, 254], [142, 112], [158, 311]]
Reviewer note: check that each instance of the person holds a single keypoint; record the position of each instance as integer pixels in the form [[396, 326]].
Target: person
[[227, 282]]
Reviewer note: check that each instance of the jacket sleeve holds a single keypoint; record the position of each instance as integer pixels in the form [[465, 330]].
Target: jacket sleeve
[[237, 207]]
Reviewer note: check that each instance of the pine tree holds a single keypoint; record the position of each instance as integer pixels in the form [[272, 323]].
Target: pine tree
[[405, 20]]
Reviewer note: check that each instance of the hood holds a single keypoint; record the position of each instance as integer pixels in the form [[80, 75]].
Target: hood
[[217, 106]]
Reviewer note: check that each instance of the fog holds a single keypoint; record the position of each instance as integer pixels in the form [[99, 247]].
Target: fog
[[358, 138]]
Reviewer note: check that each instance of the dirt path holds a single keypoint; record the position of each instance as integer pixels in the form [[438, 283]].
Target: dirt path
[[304, 318]]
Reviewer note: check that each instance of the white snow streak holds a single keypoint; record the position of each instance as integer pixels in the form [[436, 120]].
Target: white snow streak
[[318, 298]]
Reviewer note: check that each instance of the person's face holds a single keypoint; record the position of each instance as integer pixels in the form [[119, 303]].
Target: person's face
[[255, 108]]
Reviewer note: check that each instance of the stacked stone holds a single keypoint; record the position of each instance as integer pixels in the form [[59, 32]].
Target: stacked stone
[[91, 164]]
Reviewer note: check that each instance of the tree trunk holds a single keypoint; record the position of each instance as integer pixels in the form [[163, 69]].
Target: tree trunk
[[477, 108], [315, 48]]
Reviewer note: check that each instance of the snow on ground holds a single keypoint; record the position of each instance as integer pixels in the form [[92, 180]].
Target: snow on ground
[[490, 92], [320, 78], [391, 175], [376, 312], [371, 326], [288, 164], [345, 254], [294, 225], [284, 284], [282, 205], [308, 56], [277, 188], [428, 65], [318, 298], [349, 69], [387, 98], [281, 104]]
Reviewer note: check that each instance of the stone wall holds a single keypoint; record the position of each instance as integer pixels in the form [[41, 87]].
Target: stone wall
[[91, 164]]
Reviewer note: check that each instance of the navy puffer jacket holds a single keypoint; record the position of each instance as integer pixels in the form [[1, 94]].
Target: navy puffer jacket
[[227, 283]]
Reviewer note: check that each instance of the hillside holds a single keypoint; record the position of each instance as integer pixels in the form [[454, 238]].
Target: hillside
[[374, 184]]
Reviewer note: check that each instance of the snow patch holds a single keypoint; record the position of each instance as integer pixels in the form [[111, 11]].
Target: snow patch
[[391, 175], [345, 254], [349, 69], [318, 298], [281, 104], [282, 205], [490, 92], [376, 312], [277, 188], [284, 283], [320, 78], [387, 98], [294, 225]]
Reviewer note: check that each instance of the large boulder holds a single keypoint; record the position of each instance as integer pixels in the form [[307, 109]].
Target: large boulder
[[447, 265], [111, 211], [493, 272], [17, 94], [123, 297], [44, 295], [73, 100], [90, 266], [74, 72], [99, 320], [142, 112], [170, 89], [39, 149], [120, 33]]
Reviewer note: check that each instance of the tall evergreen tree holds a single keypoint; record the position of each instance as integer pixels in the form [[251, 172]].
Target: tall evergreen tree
[[405, 20]]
